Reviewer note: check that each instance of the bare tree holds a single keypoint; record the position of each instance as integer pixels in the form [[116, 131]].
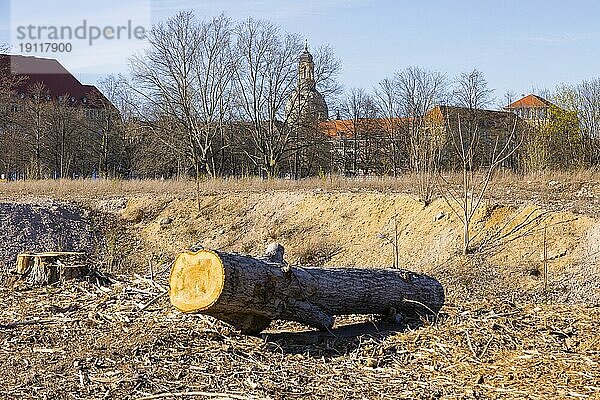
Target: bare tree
[[358, 107], [153, 143], [155, 154], [327, 70], [35, 125], [589, 118], [480, 148], [509, 98], [13, 148], [388, 104], [9, 82], [227, 87], [471, 90], [419, 90], [186, 75], [476, 169], [162, 76], [117, 90], [584, 100], [214, 72], [66, 126], [265, 81], [118, 121]]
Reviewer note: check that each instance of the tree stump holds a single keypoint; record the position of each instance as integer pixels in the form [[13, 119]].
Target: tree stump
[[39, 269], [249, 293]]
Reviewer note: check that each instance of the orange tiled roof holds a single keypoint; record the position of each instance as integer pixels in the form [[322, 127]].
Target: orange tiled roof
[[529, 101], [345, 127]]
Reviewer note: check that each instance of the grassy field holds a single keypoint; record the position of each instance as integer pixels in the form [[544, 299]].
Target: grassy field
[[575, 190]]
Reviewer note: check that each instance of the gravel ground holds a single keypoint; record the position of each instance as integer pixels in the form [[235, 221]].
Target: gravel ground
[[44, 225]]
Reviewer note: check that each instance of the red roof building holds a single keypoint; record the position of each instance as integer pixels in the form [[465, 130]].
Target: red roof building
[[56, 80], [345, 128], [530, 108], [529, 101]]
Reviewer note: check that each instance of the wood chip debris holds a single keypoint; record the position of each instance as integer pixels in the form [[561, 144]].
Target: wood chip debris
[[79, 341]]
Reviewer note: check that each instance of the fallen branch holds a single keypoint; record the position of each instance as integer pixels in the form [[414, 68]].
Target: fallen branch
[[223, 396]]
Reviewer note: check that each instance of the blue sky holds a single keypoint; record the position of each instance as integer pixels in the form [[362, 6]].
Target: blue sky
[[519, 45]]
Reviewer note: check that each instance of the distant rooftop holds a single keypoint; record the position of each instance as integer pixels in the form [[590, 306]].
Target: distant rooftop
[[346, 127], [56, 79], [529, 101]]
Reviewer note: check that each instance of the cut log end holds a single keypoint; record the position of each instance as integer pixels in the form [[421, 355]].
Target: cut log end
[[196, 281]]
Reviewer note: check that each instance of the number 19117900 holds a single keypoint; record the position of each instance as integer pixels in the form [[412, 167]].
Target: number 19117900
[[46, 47]]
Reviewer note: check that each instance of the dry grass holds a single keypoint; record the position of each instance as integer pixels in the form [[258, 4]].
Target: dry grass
[[545, 176], [403, 183], [97, 188], [315, 251], [572, 190]]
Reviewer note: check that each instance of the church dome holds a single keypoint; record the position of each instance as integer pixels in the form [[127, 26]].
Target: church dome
[[319, 108], [309, 103], [306, 102]]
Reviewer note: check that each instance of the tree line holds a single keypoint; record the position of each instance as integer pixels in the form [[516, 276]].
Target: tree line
[[208, 98]]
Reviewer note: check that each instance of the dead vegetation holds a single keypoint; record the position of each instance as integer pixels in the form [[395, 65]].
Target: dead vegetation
[[516, 325], [72, 188], [316, 251], [577, 191], [124, 341]]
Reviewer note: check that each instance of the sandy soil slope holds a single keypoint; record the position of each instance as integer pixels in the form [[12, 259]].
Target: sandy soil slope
[[345, 229]]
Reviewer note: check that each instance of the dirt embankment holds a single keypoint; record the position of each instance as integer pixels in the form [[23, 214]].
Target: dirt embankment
[[360, 229], [331, 228]]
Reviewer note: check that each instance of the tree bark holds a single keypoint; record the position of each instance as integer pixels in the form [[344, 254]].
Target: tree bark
[[249, 293]]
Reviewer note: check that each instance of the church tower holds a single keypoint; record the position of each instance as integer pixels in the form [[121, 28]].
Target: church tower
[[306, 103], [306, 70]]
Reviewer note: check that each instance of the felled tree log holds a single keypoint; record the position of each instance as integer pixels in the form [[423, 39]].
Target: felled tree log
[[39, 269], [249, 293]]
